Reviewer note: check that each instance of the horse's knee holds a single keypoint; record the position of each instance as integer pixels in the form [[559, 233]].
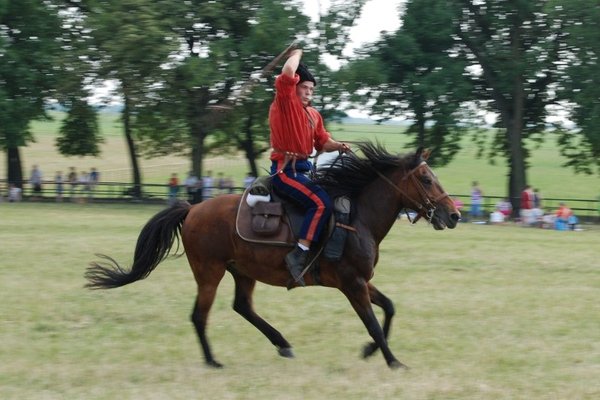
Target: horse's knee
[[388, 307]]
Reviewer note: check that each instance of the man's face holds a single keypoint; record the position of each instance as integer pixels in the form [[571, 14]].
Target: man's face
[[305, 91]]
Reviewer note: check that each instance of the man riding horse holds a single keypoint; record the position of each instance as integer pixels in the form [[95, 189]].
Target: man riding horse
[[297, 128]]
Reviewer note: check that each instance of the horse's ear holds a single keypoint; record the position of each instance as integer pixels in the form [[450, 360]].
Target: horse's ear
[[423, 153]]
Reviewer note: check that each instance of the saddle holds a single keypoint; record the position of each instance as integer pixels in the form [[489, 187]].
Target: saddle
[[276, 220]]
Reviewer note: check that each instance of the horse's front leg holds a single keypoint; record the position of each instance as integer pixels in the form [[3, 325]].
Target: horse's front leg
[[358, 294], [379, 299]]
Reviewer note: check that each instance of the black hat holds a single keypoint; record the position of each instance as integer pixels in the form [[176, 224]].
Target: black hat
[[305, 74]]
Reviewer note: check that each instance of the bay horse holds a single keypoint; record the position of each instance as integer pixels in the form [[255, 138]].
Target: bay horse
[[380, 185]]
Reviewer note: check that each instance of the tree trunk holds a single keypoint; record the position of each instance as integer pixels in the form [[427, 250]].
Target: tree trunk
[[137, 178], [15, 171], [248, 146], [514, 133], [517, 171], [197, 151]]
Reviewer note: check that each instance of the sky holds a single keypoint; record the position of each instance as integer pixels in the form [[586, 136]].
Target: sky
[[377, 16]]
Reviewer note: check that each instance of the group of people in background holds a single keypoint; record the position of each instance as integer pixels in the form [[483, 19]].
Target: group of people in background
[[199, 189], [531, 212], [80, 186]]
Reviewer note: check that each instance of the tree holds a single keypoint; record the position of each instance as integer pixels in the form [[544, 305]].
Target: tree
[[79, 132], [581, 88], [222, 44], [413, 72], [521, 51], [131, 43], [29, 51]]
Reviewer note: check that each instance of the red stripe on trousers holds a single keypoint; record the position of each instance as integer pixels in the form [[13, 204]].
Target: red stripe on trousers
[[306, 191]]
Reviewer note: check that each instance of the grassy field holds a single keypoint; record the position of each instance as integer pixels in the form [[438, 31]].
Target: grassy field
[[483, 312], [546, 171]]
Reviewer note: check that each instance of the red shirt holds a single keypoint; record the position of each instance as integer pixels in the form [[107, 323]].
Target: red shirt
[[563, 212], [527, 199], [294, 128]]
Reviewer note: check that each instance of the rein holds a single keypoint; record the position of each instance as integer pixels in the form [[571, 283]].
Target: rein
[[426, 207]]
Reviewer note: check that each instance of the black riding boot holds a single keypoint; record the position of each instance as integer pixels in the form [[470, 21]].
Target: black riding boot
[[296, 261]]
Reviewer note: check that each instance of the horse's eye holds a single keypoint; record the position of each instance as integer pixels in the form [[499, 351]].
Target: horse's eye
[[426, 180]]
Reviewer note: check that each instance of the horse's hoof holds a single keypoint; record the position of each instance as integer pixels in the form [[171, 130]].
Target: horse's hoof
[[395, 364], [214, 364], [369, 349], [286, 352]]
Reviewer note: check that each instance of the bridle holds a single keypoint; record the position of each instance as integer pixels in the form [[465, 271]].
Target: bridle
[[427, 206]]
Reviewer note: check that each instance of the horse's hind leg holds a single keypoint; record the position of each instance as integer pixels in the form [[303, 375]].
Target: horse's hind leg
[[379, 299], [244, 287], [207, 290]]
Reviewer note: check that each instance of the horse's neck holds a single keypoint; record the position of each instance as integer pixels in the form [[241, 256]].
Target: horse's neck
[[378, 208]]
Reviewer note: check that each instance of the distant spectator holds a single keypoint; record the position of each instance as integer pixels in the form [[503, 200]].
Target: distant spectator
[[221, 183], [527, 205], [563, 217], [228, 185], [93, 178], [35, 180], [248, 180], [504, 207], [476, 201], [548, 221], [14, 193], [496, 217], [207, 185], [173, 188], [191, 186], [73, 180], [458, 204], [572, 222], [59, 186], [537, 213]]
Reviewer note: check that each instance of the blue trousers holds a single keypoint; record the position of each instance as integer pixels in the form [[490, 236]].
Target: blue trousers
[[298, 187]]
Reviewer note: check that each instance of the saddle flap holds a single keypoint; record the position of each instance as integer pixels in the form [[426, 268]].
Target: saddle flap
[[244, 223], [268, 208], [266, 218]]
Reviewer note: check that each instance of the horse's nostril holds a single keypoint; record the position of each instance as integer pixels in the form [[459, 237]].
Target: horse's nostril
[[454, 217]]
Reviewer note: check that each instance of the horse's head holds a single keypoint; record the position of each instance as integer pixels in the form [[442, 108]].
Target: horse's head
[[423, 192]]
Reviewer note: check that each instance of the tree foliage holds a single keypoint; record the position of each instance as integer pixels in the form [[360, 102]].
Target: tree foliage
[[29, 52], [79, 131], [581, 87], [221, 46], [412, 73], [518, 59]]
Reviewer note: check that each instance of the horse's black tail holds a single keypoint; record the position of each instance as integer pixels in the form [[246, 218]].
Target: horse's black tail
[[153, 246]]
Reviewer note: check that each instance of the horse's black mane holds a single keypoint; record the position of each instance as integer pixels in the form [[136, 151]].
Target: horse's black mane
[[347, 175]]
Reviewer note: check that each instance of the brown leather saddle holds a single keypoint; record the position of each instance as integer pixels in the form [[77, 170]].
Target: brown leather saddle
[[276, 222]]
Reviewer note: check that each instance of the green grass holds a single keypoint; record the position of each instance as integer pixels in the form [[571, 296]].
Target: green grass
[[483, 312]]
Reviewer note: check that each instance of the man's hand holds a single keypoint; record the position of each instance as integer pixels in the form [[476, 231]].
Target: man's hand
[[344, 148]]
